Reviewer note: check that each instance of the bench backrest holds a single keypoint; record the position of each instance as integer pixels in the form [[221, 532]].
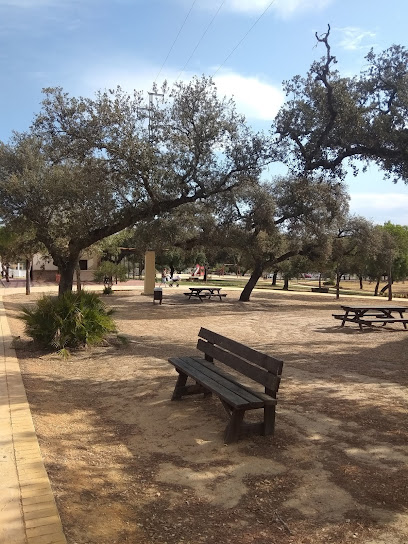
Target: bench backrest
[[257, 366]]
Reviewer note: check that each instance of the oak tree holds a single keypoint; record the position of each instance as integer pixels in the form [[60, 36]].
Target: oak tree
[[89, 168], [330, 121]]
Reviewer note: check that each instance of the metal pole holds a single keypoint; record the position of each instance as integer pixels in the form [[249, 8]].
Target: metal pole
[[151, 95]]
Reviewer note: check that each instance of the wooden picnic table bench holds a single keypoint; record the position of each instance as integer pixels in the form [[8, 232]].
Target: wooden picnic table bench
[[380, 314], [205, 292], [235, 396]]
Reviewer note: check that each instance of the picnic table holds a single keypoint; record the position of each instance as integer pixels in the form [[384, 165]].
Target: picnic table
[[369, 314], [204, 292]]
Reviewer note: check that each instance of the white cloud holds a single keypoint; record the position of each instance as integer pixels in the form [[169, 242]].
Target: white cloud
[[353, 38], [287, 8], [255, 98], [381, 207], [284, 8]]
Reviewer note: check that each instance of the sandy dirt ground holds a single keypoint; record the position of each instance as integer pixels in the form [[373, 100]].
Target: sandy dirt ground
[[127, 465]]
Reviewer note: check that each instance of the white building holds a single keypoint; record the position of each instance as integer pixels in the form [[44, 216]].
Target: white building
[[45, 270]]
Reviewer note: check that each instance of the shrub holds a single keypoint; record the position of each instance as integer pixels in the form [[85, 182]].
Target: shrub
[[69, 321]]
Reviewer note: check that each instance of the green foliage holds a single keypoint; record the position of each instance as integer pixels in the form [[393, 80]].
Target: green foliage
[[108, 270], [107, 290], [91, 167], [329, 119], [268, 224], [69, 321]]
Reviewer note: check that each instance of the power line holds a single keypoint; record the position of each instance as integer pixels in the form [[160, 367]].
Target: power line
[[176, 38], [201, 39], [243, 38]]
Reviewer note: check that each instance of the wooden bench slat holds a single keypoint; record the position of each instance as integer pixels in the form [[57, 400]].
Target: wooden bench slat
[[233, 399], [233, 385], [261, 359], [251, 371], [266, 399], [383, 320]]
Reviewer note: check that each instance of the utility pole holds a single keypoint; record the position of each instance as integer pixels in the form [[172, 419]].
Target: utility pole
[[151, 94]]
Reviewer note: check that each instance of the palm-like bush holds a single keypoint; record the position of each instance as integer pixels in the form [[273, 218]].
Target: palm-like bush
[[69, 321]]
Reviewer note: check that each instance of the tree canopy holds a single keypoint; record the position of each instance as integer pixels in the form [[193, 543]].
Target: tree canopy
[[275, 221], [89, 168], [330, 119]]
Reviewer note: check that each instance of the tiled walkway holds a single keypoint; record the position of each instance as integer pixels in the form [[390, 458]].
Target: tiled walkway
[[28, 513]]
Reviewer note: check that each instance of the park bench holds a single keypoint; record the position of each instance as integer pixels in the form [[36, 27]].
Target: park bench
[[235, 396]]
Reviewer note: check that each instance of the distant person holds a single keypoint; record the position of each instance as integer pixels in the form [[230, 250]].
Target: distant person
[[165, 276]]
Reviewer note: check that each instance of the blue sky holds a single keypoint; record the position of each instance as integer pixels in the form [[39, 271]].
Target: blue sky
[[86, 45]]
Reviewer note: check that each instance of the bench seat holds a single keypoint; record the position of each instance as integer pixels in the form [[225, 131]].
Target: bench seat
[[353, 317], [223, 384], [205, 295], [383, 320]]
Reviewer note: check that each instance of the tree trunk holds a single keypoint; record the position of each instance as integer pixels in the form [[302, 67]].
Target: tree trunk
[[377, 286], [256, 274], [286, 283], [171, 271], [274, 277], [320, 281], [78, 277], [338, 278], [67, 269], [28, 269], [390, 280], [361, 282]]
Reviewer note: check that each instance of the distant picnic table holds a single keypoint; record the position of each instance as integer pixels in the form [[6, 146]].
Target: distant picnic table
[[370, 314], [204, 292]]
